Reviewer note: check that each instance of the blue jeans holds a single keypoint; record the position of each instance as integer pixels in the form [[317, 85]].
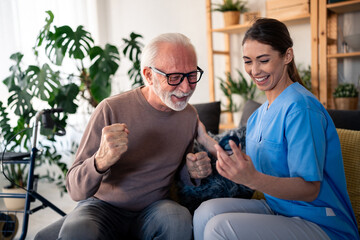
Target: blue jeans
[[232, 219], [96, 219]]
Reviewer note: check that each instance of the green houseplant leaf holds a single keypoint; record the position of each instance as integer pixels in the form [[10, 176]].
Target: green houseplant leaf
[[43, 81], [105, 64], [44, 32], [5, 127], [65, 98], [64, 40], [132, 49], [230, 5], [240, 86], [345, 90]]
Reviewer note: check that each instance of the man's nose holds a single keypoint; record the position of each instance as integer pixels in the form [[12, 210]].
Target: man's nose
[[184, 86]]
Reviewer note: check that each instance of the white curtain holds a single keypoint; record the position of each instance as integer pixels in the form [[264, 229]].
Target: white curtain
[[21, 21], [20, 24]]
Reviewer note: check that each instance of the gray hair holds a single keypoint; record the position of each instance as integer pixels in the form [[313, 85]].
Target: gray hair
[[151, 50]]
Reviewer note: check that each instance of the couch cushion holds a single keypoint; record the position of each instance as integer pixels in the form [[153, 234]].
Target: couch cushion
[[209, 114], [249, 108], [346, 119], [350, 142]]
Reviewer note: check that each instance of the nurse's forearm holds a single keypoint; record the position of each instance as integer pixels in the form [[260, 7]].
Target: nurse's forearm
[[286, 188]]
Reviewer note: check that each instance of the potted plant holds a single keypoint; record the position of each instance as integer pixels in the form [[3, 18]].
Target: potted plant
[[346, 96], [233, 88], [232, 10], [42, 85]]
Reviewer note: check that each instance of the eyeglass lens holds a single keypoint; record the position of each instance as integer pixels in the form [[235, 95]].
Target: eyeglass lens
[[192, 77]]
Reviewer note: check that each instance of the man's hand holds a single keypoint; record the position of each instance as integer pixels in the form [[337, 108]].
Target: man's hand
[[198, 165], [114, 142]]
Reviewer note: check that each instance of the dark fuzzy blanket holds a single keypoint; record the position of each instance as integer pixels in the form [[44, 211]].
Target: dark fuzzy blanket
[[215, 185]]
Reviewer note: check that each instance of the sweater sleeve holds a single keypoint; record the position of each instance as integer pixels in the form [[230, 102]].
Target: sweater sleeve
[[83, 180]]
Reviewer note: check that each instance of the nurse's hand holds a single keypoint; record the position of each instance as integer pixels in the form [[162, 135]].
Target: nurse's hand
[[237, 167]]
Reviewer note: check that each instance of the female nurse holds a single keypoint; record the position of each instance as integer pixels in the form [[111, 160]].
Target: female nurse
[[292, 155]]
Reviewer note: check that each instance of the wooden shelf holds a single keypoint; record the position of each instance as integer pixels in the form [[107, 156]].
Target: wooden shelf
[[344, 7], [303, 18], [232, 29], [331, 41], [325, 37], [344, 55]]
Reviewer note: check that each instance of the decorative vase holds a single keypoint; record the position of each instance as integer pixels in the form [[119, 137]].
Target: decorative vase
[[231, 18], [14, 204], [346, 103]]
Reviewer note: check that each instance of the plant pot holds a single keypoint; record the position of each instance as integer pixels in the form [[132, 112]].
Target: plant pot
[[14, 204], [350, 103], [231, 18]]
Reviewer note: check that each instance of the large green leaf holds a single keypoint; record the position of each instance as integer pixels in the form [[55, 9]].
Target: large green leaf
[[135, 74], [65, 41], [5, 128], [21, 101], [44, 82], [105, 63], [104, 60], [133, 50], [17, 77], [65, 98], [101, 86], [44, 32], [133, 47]]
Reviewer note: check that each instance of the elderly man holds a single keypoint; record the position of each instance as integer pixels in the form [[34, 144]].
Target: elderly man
[[133, 147]]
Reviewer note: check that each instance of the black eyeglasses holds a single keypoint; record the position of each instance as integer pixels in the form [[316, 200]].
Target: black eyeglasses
[[174, 79]]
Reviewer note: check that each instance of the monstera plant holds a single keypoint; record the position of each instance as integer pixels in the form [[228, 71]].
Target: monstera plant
[[46, 84]]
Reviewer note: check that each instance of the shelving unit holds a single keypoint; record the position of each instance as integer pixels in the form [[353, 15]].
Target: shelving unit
[[227, 31], [325, 55]]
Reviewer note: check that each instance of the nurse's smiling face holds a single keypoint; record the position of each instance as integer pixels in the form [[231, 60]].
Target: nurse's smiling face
[[267, 68]]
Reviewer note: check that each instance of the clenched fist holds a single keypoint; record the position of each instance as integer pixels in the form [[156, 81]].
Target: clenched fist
[[198, 165], [114, 142]]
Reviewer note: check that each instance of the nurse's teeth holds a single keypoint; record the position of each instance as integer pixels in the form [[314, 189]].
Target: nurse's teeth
[[260, 79]]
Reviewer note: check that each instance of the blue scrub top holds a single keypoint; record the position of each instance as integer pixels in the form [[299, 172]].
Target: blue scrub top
[[296, 137]]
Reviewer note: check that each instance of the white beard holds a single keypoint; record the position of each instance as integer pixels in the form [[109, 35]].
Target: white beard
[[165, 97]]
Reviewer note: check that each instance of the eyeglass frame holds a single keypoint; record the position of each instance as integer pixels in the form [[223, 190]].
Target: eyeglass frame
[[167, 75]]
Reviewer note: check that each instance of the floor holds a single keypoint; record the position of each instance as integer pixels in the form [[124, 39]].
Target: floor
[[43, 217]]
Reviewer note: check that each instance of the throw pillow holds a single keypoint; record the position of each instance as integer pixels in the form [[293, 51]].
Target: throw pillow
[[249, 108], [350, 142], [209, 114], [215, 185]]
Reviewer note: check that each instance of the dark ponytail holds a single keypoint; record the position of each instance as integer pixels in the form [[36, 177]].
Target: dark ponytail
[[274, 33]]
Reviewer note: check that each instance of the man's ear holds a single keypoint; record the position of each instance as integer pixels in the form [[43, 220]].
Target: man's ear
[[148, 75], [289, 55]]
